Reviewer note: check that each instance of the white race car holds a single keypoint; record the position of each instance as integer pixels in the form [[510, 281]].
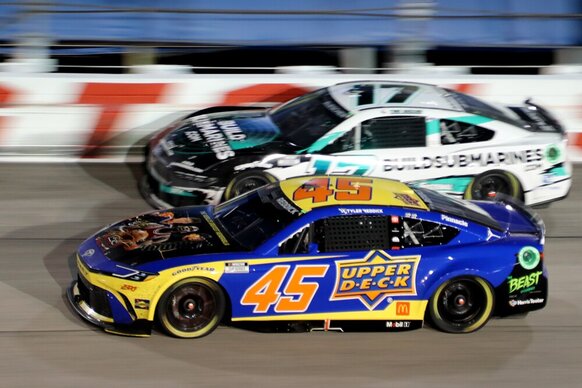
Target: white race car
[[423, 134]]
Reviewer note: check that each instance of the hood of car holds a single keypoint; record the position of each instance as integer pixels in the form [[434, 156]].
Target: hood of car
[[221, 135], [161, 235]]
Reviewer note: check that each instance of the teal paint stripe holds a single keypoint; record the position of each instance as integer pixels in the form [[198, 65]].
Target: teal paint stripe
[[475, 120], [175, 191], [322, 142], [249, 142], [456, 184], [433, 127], [558, 171]]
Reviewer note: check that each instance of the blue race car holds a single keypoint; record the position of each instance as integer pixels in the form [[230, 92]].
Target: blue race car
[[315, 249]]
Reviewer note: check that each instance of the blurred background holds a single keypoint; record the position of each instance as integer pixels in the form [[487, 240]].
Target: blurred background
[[94, 79], [367, 36]]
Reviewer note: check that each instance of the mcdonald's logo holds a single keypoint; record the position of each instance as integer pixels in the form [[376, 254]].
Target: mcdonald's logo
[[402, 308]]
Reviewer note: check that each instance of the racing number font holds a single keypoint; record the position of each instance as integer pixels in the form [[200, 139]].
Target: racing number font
[[346, 189], [297, 293]]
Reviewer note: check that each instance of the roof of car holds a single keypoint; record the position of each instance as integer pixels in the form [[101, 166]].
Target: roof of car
[[359, 95], [311, 192]]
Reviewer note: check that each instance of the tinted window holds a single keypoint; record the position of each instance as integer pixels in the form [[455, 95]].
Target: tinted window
[[420, 233], [454, 132], [254, 217], [476, 106], [393, 132], [307, 118], [342, 144], [456, 207]]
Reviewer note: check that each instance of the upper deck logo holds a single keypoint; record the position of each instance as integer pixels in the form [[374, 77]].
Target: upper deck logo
[[374, 277]]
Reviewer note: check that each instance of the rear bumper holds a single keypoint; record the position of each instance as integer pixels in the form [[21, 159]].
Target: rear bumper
[[545, 194], [138, 328]]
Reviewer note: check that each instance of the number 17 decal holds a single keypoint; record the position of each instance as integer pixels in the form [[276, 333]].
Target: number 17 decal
[[297, 293]]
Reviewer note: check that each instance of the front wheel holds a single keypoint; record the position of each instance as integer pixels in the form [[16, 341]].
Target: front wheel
[[245, 182], [191, 308], [489, 184], [461, 305]]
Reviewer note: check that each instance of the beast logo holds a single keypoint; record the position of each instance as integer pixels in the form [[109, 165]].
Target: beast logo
[[374, 277]]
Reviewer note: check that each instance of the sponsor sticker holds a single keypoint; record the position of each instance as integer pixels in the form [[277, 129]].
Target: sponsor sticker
[[128, 287], [236, 267], [455, 221], [519, 302], [360, 211], [142, 304], [407, 199], [484, 159], [376, 277], [525, 283], [193, 268], [403, 308], [398, 324]]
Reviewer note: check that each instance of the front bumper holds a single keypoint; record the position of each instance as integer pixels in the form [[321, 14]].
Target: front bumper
[[163, 196], [93, 305]]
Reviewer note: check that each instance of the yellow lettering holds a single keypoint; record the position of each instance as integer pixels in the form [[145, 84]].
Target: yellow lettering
[[390, 270], [347, 285], [401, 281], [348, 273], [404, 269], [378, 269], [363, 271], [366, 283], [384, 282]]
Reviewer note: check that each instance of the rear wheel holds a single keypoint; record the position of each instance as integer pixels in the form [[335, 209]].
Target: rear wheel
[[489, 184], [191, 308], [461, 305], [245, 182]]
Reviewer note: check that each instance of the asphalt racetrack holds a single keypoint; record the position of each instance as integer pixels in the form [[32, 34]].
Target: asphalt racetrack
[[48, 209]]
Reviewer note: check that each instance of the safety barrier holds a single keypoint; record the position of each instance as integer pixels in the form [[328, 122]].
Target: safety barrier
[[110, 117]]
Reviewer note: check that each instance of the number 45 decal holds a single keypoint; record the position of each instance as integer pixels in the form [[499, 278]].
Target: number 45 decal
[[297, 293]]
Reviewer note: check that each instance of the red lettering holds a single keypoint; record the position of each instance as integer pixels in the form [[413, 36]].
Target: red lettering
[[7, 96], [263, 93], [114, 97]]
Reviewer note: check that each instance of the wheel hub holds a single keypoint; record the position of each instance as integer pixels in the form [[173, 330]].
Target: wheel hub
[[460, 301], [189, 305]]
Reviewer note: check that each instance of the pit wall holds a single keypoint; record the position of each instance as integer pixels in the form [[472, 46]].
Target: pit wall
[[70, 117]]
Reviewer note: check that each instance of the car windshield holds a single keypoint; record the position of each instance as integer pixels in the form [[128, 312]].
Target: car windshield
[[455, 207], [307, 118], [253, 218]]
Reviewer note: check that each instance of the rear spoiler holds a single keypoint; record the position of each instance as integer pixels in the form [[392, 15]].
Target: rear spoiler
[[522, 209], [538, 118]]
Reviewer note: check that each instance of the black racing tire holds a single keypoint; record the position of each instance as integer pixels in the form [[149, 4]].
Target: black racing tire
[[488, 184], [247, 181], [462, 305], [191, 308]]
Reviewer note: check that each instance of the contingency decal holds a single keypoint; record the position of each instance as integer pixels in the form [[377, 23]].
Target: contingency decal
[[375, 277]]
